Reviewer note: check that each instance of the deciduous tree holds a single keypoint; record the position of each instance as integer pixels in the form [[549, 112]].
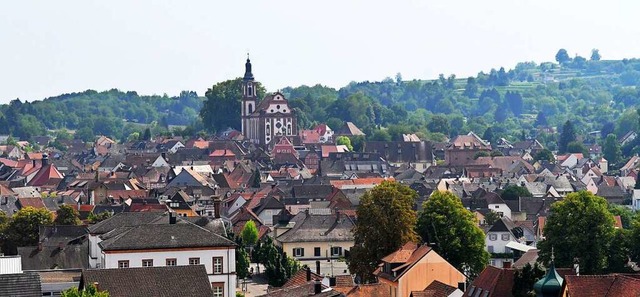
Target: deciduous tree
[[611, 149], [343, 140], [580, 228], [250, 233], [67, 215], [568, 135], [24, 225], [513, 192], [452, 231], [386, 221], [524, 279], [562, 56]]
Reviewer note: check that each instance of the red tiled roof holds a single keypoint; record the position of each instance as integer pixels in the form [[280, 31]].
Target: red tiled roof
[[365, 290], [148, 208], [222, 153], [9, 162], [498, 282], [45, 175], [300, 278], [33, 202], [359, 181], [435, 289], [601, 285]]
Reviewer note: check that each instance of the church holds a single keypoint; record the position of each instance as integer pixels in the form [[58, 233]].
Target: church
[[264, 121]]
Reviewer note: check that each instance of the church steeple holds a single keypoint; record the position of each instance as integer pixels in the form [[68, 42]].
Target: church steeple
[[247, 70]]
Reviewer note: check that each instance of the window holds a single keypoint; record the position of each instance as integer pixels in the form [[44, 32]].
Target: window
[[218, 289], [336, 251], [194, 261], [501, 214], [497, 206], [505, 237], [217, 265], [147, 263], [298, 252], [123, 264], [490, 248], [493, 236], [316, 252], [171, 262]]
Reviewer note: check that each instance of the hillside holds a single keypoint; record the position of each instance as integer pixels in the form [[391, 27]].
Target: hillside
[[115, 113], [595, 95]]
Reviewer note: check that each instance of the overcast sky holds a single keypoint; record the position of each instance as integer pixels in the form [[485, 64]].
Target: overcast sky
[[153, 47]]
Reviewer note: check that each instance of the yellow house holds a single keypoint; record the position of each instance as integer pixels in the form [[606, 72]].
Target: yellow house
[[316, 234], [413, 268]]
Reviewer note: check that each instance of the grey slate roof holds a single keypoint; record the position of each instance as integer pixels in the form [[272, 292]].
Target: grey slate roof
[[20, 285], [161, 281], [52, 257], [313, 228], [124, 219], [162, 236]]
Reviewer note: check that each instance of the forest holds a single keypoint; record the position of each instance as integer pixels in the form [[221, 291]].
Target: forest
[[532, 100]]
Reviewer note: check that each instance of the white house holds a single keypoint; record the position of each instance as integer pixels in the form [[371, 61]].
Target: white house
[[172, 244], [497, 205], [501, 234]]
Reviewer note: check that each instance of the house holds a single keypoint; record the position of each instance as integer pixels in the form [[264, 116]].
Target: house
[[463, 148], [417, 154], [600, 285], [59, 247], [492, 282], [325, 133], [501, 239], [413, 267], [172, 244], [316, 234], [15, 282], [349, 129], [189, 177], [267, 209], [190, 280], [627, 138], [496, 204]]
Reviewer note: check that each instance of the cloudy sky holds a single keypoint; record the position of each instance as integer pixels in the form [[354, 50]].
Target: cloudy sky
[[153, 47]]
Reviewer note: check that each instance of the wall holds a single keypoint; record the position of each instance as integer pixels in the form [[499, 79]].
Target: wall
[[310, 246], [501, 207], [431, 267], [182, 258], [499, 245]]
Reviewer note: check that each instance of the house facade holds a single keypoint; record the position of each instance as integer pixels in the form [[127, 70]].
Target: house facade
[[413, 268], [172, 244]]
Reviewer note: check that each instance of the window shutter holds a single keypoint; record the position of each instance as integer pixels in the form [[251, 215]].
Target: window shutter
[[293, 252], [301, 252]]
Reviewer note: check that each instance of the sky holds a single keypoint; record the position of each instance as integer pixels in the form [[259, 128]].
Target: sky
[[48, 48]]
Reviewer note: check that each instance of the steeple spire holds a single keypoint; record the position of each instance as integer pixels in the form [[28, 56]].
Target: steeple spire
[[247, 70]]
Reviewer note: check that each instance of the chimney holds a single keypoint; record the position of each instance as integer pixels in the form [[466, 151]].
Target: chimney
[[45, 160], [216, 208], [317, 267], [33, 162], [506, 264], [172, 218], [317, 288], [308, 274], [332, 281]]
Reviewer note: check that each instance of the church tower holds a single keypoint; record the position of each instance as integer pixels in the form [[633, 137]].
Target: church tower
[[249, 99]]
